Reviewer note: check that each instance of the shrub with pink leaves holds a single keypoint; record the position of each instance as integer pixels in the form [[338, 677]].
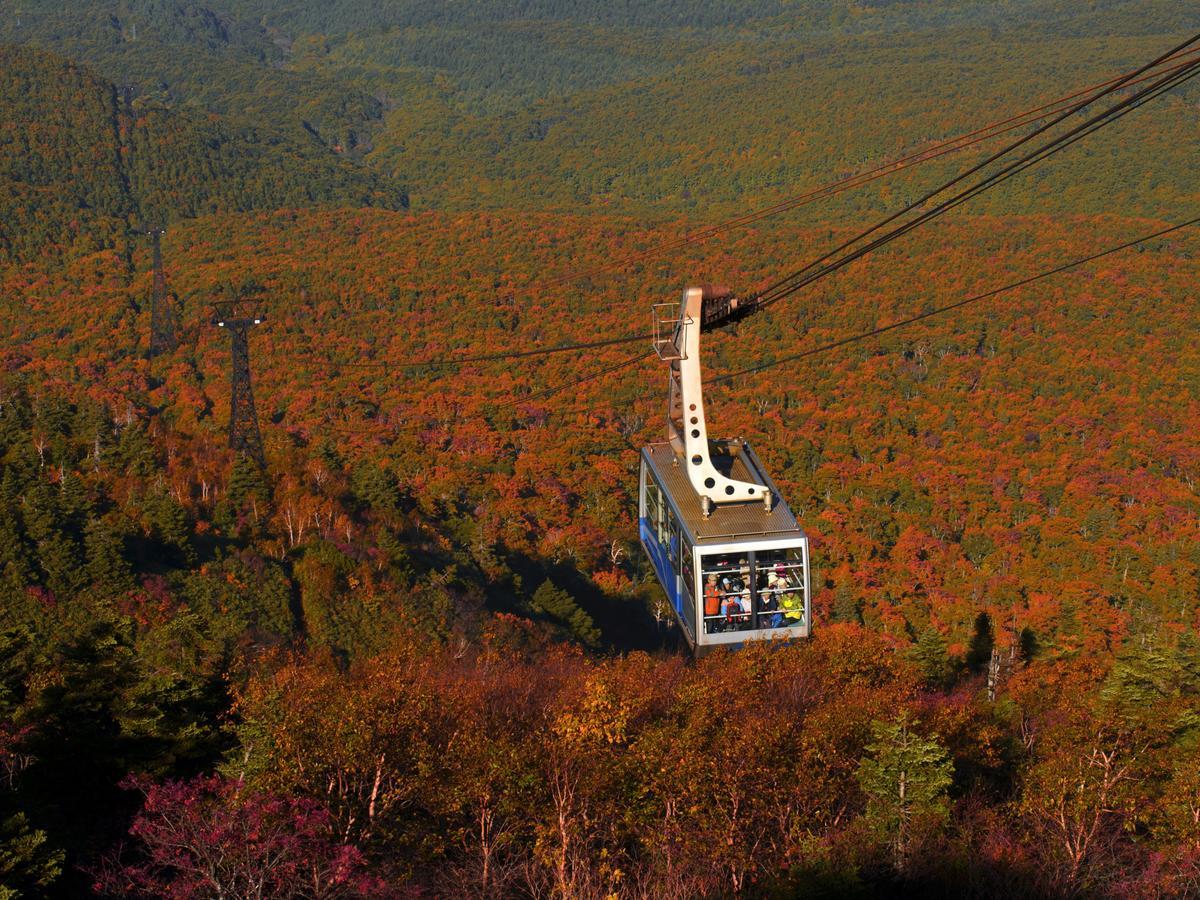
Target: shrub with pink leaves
[[213, 837]]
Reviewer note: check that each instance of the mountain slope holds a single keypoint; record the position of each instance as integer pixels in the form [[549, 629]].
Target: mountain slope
[[83, 163]]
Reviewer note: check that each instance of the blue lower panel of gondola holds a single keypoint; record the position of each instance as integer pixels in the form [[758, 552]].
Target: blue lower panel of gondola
[[662, 564]]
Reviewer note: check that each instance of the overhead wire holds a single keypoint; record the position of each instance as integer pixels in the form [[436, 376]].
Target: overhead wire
[[1165, 82], [883, 329], [861, 336], [496, 357], [991, 181], [830, 261], [539, 395], [577, 382], [782, 288], [943, 148], [1090, 127], [875, 332], [1185, 63]]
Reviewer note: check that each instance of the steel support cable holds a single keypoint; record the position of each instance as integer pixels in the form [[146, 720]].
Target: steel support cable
[[545, 351], [539, 395], [1097, 125], [797, 281], [782, 288], [767, 293], [827, 190], [495, 357], [824, 348], [764, 298], [1047, 150], [943, 148], [883, 329]]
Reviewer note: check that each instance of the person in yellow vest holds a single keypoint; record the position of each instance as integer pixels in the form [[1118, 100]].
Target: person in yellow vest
[[792, 604]]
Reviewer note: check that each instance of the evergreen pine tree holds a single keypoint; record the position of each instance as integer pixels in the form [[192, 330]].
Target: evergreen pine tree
[[170, 524], [76, 505], [931, 656], [559, 606], [246, 502], [846, 607], [28, 865], [327, 453], [906, 778], [15, 645], [247, 482], [57, 551], [375, 487], [107, 569], [14, 419], [11, 486], [15, 566], [1153, 668], [133, 453], [42, 512]]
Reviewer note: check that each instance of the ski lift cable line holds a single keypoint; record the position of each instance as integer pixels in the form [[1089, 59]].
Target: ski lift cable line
[[883, 329], [1173, 76], [767, 295], [816, 270], [874, 332], [1089, 129], [1190, 59], [497, 357], [952, 145], [859, 179], [992, 181]]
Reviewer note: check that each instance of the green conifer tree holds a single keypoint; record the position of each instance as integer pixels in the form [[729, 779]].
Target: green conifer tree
[[107, 569], [846, 607], [76, 504], [247, 482], [906, 778], [28, 865], [375, 488], [558, 605], [931, 656], [15, 566], [133, 453], [169, 523]]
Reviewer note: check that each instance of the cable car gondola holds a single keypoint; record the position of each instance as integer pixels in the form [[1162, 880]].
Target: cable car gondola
[[727, 551]]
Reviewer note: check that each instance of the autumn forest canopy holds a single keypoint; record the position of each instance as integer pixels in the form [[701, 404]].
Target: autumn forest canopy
[[415, 648]]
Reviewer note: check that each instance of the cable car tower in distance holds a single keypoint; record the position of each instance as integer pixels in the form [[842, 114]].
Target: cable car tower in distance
[[727, 550]]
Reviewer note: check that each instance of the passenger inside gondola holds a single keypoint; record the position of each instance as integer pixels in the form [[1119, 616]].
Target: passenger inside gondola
[[730, 608], [712, 602], [768, 603], [740, 596], [792, 603]]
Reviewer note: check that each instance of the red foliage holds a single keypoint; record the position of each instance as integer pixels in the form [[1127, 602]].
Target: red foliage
[[214, 837]]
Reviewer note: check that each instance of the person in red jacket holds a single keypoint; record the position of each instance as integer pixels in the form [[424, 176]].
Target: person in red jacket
[[712, 602]]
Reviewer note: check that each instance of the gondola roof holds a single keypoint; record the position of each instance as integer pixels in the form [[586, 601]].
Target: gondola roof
[[729, 522]]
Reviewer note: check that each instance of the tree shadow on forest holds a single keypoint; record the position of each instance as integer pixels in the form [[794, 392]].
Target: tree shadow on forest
[[625, 622]]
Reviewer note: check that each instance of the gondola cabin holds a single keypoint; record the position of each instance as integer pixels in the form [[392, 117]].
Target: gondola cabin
[[727, 550], [737, 575]]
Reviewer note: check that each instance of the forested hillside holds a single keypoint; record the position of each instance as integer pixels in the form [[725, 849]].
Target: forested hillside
[[419, 651], [653, 108], [85, 165]]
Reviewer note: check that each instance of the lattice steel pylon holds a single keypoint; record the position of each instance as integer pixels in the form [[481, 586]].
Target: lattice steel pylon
[[162, 317], [244, 435]]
